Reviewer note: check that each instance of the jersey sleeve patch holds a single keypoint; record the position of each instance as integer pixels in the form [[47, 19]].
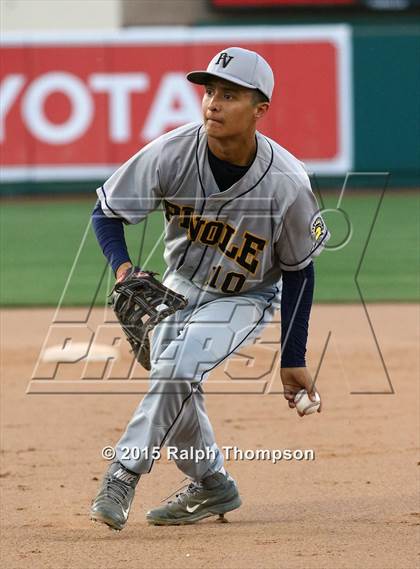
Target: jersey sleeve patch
[[319, 234], [318, 228]]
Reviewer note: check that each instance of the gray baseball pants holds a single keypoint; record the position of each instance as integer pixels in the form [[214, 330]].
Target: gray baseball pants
[[186, 347]]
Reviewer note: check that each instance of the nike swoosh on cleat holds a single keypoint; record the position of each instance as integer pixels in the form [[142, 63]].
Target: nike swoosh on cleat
[[192, 509]]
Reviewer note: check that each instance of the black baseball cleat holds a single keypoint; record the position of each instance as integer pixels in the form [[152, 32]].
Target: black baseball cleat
[[112, 503], [216, 495]]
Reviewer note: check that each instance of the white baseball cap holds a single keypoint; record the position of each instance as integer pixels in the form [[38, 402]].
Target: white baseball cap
[[241, 66]]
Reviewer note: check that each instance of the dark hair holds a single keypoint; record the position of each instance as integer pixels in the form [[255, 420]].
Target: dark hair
[[259, 97]]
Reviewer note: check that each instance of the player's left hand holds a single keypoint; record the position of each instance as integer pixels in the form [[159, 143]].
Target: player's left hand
[[294, 379], [140, 303]]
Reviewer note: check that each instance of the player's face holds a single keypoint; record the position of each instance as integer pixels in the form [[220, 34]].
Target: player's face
[[230, 110]]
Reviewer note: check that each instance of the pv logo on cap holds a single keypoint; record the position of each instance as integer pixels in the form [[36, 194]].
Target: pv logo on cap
[[224, 58]]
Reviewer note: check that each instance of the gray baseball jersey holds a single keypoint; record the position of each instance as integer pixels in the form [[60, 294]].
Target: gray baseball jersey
[[227, 242], [217, 244]]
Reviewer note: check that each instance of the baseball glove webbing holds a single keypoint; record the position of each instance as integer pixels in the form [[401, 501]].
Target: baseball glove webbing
[[140, 303]]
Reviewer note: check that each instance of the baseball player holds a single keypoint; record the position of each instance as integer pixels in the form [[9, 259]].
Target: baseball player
[[242, 226]]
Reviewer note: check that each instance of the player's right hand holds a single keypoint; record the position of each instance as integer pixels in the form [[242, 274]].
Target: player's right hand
[[294, 379]]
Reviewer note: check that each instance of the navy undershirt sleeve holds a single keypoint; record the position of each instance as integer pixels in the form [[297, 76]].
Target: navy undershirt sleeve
[[110, 235], [296, 303]]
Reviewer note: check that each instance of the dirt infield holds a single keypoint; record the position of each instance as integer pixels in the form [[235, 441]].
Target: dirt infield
[[354, 506]]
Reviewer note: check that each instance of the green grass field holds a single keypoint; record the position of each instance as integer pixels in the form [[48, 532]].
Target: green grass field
[[40, 241]]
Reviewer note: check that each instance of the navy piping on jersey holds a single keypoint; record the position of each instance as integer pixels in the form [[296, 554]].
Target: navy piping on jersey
[[197, 144], [110, 208], [182, 260], [232, 199], [269, 303], [225, 173], [311, 252], [255, 185]]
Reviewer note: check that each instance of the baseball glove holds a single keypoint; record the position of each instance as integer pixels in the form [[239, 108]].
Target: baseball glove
[[140, 302]]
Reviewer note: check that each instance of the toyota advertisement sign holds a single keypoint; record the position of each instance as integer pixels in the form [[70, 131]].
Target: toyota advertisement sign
[[77, 106]]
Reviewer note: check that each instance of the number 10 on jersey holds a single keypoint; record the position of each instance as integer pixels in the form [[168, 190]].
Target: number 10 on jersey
[[230, 282]]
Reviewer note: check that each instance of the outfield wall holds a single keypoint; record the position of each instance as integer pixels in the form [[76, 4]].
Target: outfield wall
[[74, 106]]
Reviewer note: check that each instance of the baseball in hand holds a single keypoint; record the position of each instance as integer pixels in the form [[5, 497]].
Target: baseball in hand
[[304, 405]]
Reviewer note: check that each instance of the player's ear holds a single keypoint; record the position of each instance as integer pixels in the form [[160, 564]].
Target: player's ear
[[261, 109]]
